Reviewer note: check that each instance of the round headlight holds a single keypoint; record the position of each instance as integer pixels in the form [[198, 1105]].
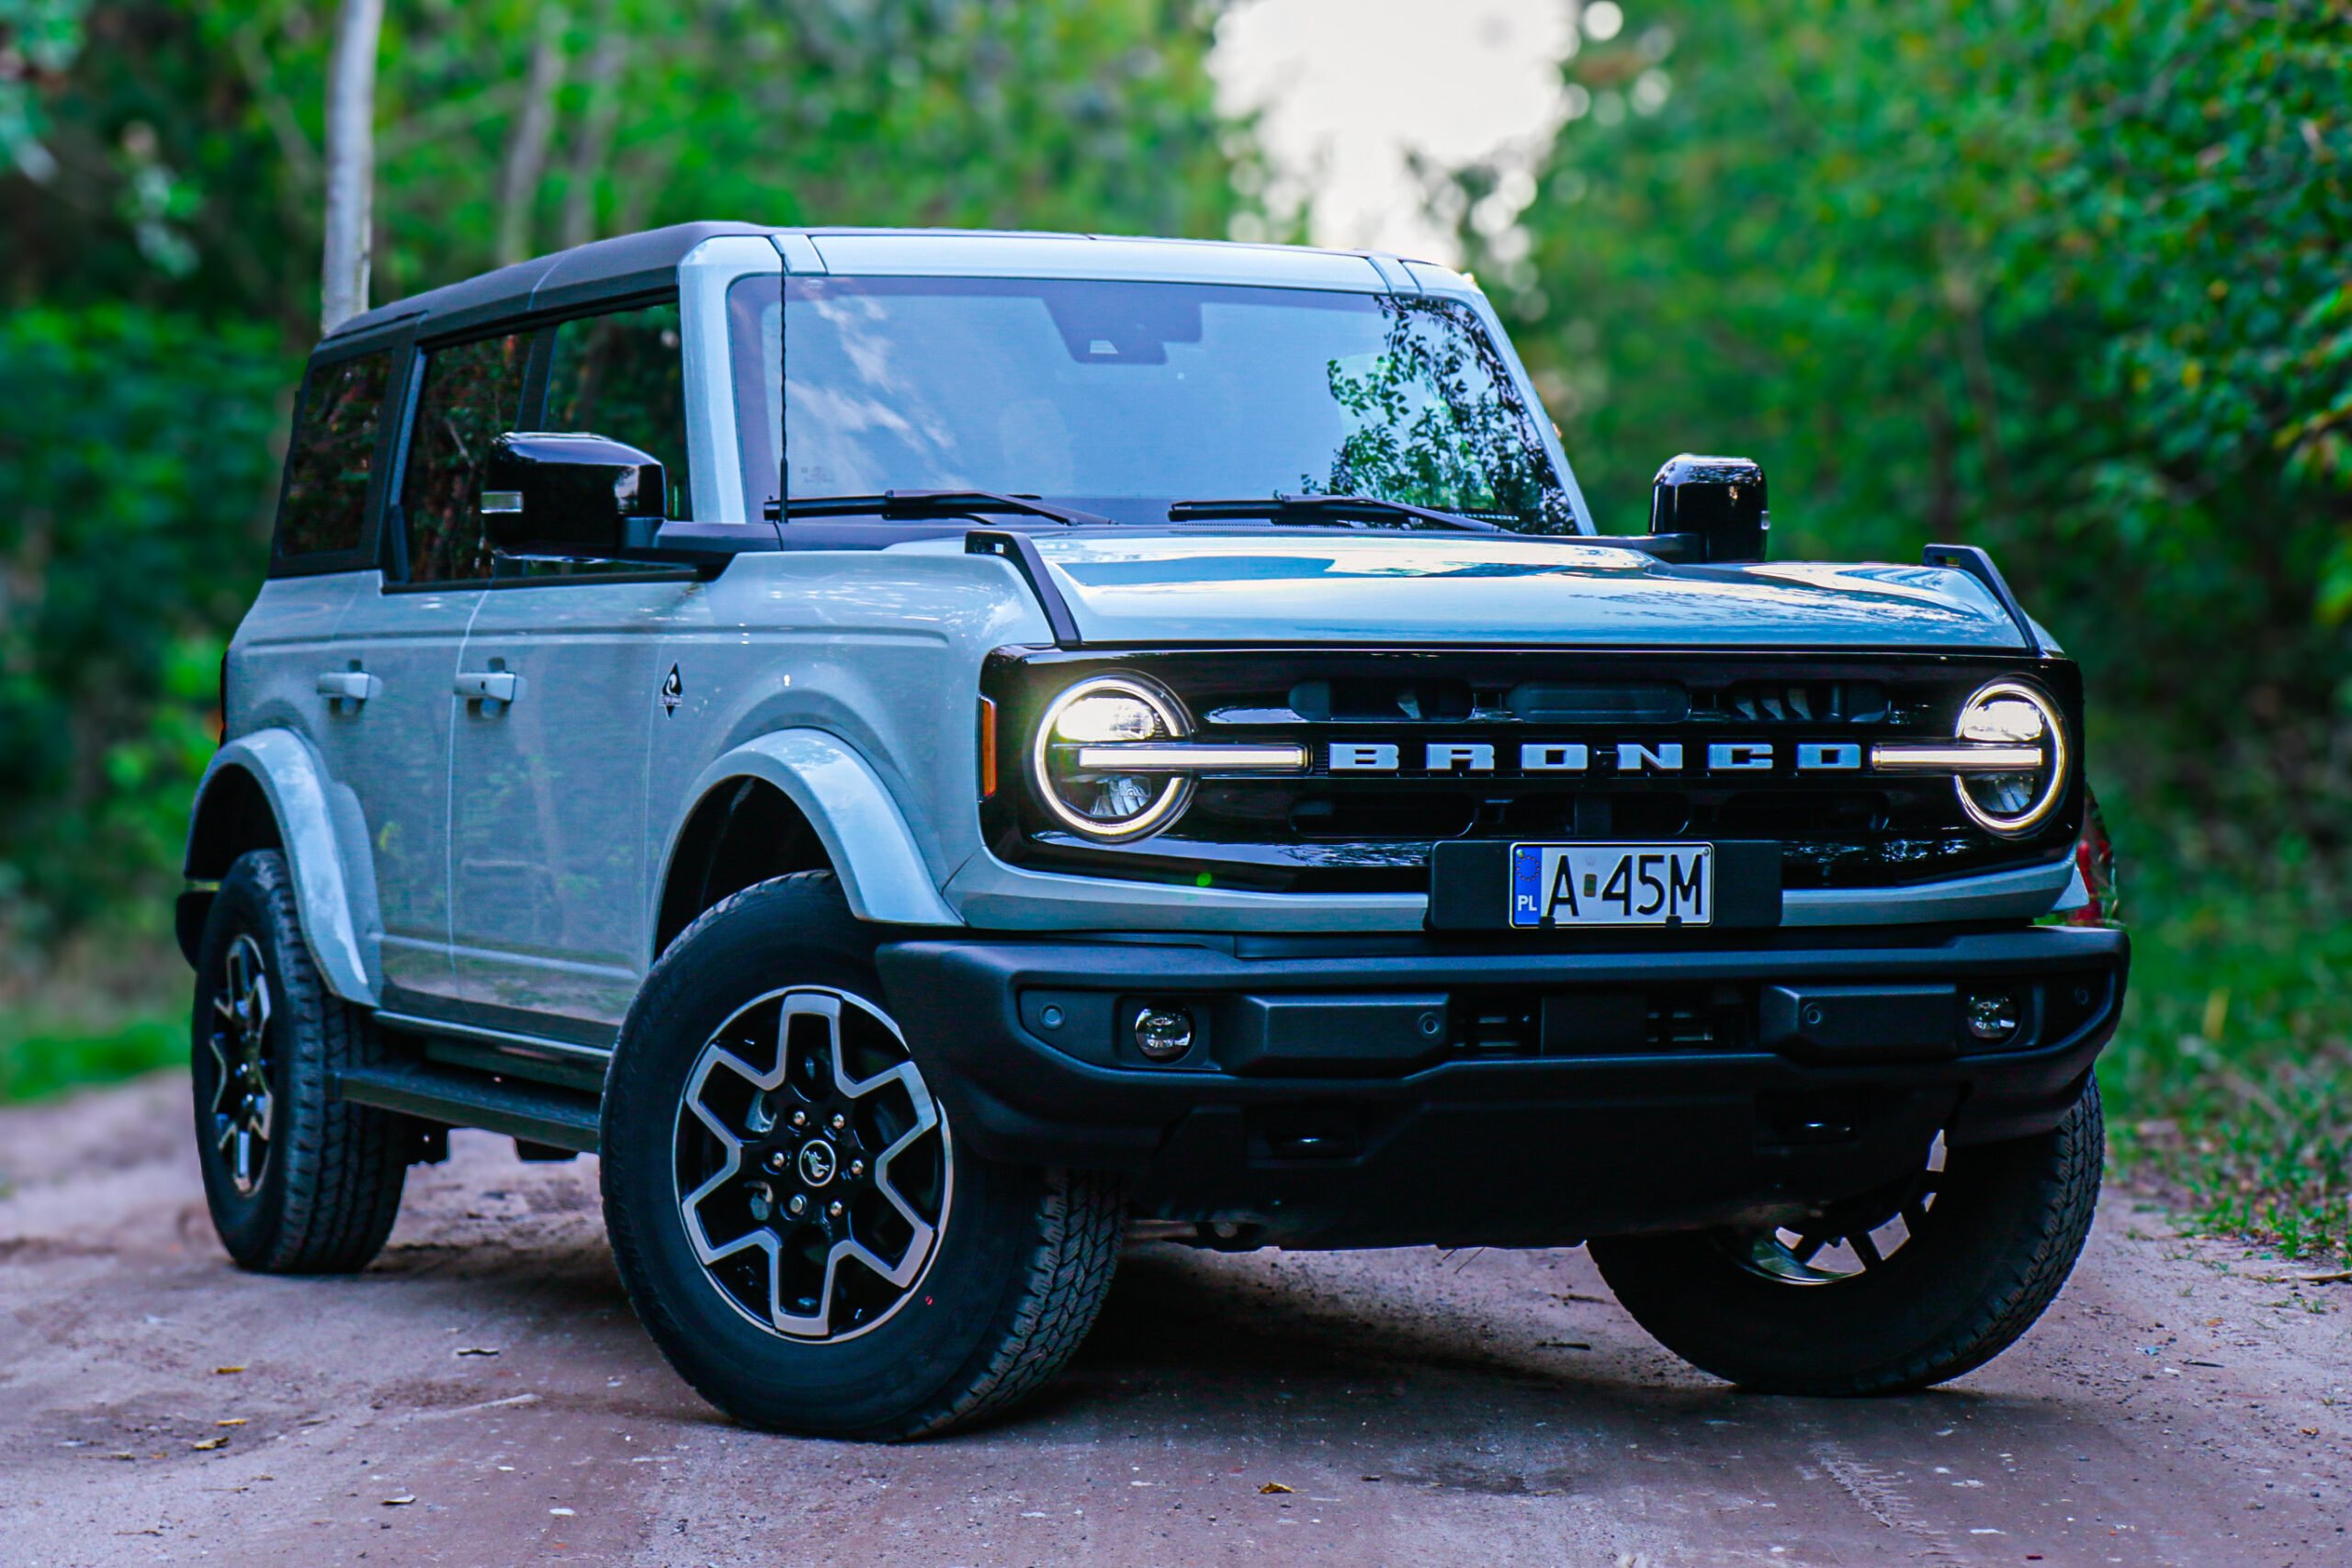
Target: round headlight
[[2008, 714], [1107, 710]]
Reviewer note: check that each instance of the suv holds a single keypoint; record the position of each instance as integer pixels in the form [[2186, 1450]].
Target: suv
[[935, 753]]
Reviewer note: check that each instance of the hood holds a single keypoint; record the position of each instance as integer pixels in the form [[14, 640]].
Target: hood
[[1417, 588]]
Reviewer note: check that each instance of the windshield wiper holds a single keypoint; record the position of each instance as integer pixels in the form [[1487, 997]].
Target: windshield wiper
[[919, 505], [1340, 511]]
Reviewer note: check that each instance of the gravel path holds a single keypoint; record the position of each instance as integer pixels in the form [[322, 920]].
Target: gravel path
[[482, 1395]]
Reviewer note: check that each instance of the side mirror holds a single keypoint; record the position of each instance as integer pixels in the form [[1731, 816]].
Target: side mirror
[[1711, 507], [559, 494]]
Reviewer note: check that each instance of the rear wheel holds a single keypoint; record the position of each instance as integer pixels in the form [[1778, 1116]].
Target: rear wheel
[[796, 1222], [297, 1182], [1900, 1289]]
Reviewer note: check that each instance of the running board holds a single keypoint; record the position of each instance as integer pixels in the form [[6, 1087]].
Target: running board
[[537, 1113]]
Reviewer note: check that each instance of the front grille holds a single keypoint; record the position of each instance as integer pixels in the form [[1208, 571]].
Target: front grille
[[1343, 827]]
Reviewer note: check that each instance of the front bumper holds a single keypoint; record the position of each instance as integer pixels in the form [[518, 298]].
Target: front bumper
[[1394, 1090]]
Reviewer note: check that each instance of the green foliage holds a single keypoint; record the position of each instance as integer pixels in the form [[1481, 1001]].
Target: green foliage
[[161, 187], [137, 451], [2069, 284], [2069, 281], [39, 1057], [1432, 421], [192, 130]]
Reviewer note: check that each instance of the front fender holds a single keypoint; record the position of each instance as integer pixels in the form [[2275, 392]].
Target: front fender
[[865, 835], [325, 839]]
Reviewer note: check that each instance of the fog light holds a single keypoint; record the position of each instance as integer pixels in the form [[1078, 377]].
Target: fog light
[[1992, 1015], [1163, 1034]]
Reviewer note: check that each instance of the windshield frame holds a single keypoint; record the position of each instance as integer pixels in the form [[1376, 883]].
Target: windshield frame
[[1472, 317]]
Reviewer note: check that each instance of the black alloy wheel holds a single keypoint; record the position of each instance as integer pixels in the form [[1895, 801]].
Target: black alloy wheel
[[812, 1166]]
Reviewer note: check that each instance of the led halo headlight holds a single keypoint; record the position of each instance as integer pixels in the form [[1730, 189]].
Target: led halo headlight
[[1100, 710], [2010, 713]]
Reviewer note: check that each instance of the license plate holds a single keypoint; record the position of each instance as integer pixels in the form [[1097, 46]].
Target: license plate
[[1613, 885]]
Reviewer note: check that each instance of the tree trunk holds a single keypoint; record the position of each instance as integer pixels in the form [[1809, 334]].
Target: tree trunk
[[597, 123], [350, 161], [527, 146]]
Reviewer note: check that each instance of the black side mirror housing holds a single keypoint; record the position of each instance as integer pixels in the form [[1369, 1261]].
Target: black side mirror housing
[[1710, 508], [549, 493]]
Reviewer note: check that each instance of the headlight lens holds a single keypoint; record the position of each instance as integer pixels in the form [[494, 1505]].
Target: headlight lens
[[1110, 710], [2009, 714]]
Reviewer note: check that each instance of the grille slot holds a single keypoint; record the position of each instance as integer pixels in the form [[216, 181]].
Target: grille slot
[[1805, 702], [1643, 702]]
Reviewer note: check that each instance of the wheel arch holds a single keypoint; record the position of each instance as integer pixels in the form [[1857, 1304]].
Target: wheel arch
[[268, 789], [795, 800]]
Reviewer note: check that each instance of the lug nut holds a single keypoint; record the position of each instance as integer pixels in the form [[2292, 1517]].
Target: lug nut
[[857, 1168], [799, 1206], [834, 1210], [800, 1118], [840, 1122], [776, 1160]]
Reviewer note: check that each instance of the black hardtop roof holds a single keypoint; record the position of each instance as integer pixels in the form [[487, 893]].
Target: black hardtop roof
[[605, 269], [598, 267]]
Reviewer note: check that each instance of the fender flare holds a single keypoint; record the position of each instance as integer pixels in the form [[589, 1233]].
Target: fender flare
[[329, 866], [857, 820]]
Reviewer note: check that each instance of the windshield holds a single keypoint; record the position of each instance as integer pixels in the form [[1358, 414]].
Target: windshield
[[1121, 398]]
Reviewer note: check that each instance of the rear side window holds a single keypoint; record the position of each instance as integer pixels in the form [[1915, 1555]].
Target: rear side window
[[334, 450], [619, 376], [473, 393]]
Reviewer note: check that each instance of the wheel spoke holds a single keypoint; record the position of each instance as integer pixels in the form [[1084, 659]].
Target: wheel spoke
[[809, 1188]]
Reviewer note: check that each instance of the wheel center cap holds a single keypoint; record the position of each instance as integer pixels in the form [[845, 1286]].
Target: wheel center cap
[[816, 1162]]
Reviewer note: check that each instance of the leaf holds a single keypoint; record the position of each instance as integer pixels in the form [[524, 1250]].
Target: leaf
[[1272, 1488]]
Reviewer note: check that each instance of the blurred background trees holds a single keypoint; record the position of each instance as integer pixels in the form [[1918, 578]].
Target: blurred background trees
[[162, 187], [2072, 280]]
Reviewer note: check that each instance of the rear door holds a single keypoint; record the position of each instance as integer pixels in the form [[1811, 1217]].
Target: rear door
[[548, 868], [396, 655]]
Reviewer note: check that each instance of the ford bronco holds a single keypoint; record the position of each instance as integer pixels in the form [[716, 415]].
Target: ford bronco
[[935, 754]]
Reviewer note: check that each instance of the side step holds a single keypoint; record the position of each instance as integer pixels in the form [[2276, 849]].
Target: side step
[[536, 1112]]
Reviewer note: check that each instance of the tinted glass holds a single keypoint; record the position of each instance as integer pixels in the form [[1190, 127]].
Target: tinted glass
[[1128, 396], [332, 451], [473, 392], [618, 376]]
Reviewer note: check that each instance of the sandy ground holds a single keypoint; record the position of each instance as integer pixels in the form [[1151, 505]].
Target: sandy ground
[[481, 1395]]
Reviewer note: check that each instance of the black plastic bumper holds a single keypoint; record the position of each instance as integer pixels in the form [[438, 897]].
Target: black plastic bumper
[[1381, 1091]]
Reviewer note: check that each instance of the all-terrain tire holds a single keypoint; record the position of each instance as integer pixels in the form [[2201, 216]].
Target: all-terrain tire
[[323, 1193], [1021, 1263], [2008, 1222]]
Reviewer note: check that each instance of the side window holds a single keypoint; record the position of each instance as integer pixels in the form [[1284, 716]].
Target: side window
[[473, 393], [332, 451], [619, 376]]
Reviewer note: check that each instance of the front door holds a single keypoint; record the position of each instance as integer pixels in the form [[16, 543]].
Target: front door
[[548, 875]]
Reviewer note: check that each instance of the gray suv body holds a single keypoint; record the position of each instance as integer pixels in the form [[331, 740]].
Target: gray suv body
[[936, 753]]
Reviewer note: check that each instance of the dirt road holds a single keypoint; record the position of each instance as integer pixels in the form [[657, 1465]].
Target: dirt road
[[483, 1396]]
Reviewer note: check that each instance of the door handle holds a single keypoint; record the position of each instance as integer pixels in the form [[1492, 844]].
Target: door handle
[[348, 685], [489, 685]]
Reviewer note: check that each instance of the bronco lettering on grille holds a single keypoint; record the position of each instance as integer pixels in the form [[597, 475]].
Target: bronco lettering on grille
[[1629, 757]]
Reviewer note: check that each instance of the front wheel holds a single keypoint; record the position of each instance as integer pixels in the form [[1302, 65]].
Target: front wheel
[[797, 1224], [1898, 1290]]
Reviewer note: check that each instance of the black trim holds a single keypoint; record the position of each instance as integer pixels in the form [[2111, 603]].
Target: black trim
[[1979, 565], [396, 342], [1320, 1104], [458, 1096], [1021, 551]]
